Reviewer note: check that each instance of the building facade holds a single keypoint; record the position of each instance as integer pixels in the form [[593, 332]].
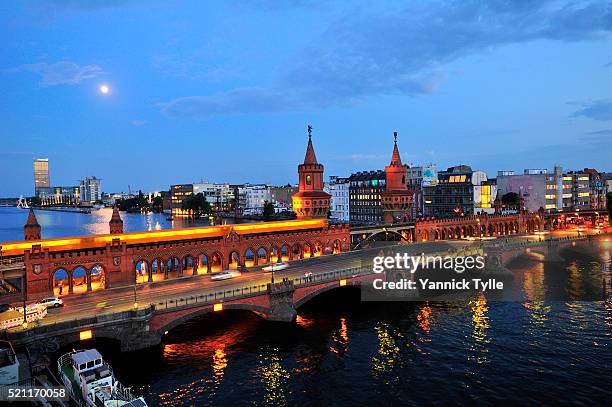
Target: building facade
[[338, 188], [256, 196], [178, 193], [41, 175], [90, 190], [453, 195], [365, 188]]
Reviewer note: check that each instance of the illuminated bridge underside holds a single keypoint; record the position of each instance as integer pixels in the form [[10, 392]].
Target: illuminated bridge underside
[[83, 264]]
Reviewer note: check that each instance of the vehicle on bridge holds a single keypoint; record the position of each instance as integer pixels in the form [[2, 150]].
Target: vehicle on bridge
[[90, 380], [225, 275], [52, 302], [276, 267]]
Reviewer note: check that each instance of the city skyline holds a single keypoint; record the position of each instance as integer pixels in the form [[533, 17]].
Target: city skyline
[[190, 99]]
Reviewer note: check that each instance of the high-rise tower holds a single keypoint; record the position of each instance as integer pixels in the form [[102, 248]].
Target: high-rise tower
[[310, 201], [41, 174], [397, 198]]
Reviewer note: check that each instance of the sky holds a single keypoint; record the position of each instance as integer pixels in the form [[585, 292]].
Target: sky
[[224, 91]]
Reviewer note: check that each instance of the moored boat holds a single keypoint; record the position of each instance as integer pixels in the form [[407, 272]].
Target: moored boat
[[90, 380]]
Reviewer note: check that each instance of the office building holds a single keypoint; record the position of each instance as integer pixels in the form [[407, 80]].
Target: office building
[[338, 188], [90, 190], [365, 207], [41, 175]]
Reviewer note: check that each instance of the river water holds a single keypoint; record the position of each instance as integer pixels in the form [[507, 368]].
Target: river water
[[61, 224], [554, 347]]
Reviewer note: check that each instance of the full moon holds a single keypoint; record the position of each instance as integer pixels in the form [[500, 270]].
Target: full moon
[[104, 89]]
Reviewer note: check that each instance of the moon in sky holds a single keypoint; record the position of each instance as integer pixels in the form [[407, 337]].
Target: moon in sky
[[104, 89]]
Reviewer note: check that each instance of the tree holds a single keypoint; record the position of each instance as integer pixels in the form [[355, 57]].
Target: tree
[[268, 210], [510, 199], [136, 204], [196, 205], [609, 206], [158, 204]]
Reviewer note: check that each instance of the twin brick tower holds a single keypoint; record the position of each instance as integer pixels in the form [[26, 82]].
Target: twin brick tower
[[311, 201]]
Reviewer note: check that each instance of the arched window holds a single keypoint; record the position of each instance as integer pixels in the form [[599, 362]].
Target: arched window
[[403, 179], [308, 180]]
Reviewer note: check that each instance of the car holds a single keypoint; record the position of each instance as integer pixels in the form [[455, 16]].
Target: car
[[52, 302], [225, 275], [276, 266]]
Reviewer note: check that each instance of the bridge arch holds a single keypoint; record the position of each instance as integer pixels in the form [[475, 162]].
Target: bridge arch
[[308, 251], [233, 260], [60, 281], [263, 256], [196, 312], [98, 277], [157, 269], [188, 264], [336, 246], [388, 235], [320, 290], [142, 272], [216, 262], [249, 257]]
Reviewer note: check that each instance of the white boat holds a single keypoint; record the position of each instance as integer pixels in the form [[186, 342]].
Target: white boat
[[90, 380]]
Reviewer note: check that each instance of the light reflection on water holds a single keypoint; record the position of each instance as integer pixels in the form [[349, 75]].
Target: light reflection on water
[[480, 325]]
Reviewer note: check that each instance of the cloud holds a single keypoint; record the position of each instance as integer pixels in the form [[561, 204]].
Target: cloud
[[138, 122], [607, 132], [60, 73], [241, 100], [596, 110], [369, 52]]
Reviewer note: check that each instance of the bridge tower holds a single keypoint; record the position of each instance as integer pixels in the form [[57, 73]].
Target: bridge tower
[[397, 198], [31, 230], [498, 203], [115, 223], [310, 201]]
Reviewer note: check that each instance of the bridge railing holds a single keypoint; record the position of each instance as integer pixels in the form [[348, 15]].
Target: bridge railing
[[250, 291], [211, 298], [542, 241], [83, 322]]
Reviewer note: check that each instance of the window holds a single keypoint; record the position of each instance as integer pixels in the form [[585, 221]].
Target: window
[[308, 180]]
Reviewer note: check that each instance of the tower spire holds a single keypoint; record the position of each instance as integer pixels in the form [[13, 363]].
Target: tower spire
[[116, 223], [395, 157], [31, 230], [310, 157]]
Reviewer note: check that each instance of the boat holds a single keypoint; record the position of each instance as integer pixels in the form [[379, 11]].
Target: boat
[[91, 382], [9, 364]]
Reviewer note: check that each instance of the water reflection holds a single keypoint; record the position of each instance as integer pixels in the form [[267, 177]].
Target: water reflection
[[219, 363], [388, 355], [274, 378], [423, 334], [480, 325], [340, 339]]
